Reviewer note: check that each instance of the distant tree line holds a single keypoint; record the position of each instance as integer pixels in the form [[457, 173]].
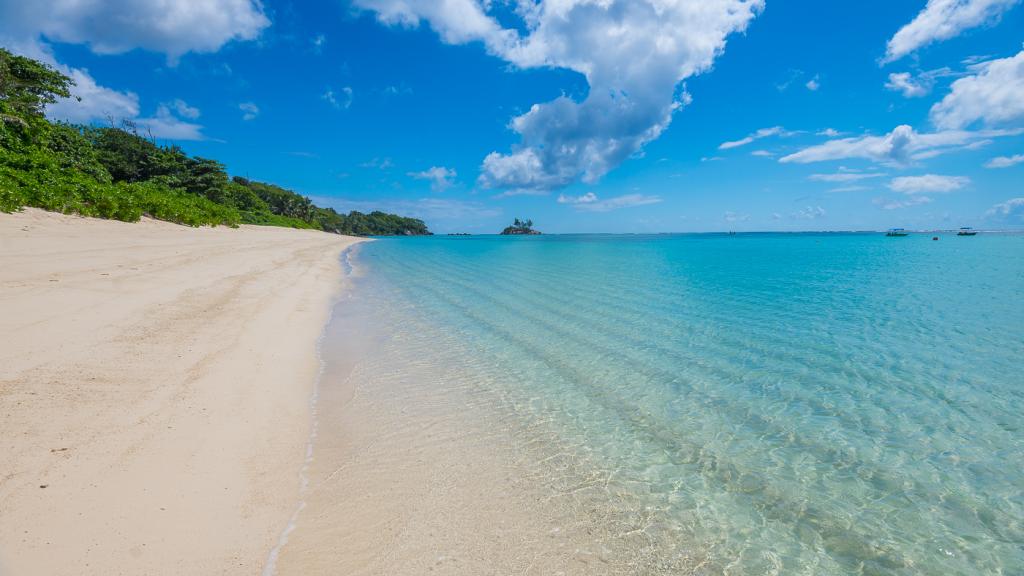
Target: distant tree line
[[116, 172]]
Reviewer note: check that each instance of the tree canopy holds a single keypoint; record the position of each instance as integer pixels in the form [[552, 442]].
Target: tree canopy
[[27, 85]]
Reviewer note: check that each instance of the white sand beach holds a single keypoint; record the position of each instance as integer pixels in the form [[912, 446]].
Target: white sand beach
[[155, 385]]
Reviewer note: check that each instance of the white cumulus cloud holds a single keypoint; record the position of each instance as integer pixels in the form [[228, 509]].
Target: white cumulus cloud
[[895, 204], [587, 198], [100, 104], [341, 99], [810, 213], [1010, 208], [181, 108], [754, 136], [456, 21], [900, 147], [440, 178], [1005, 161], [171, 27], [634, 55], [928, 183], [589, 202], [379, 163], [994, 95], [907, 84], [917, 85], [942, 20], [91, 102], [165, 124], [249, 110]]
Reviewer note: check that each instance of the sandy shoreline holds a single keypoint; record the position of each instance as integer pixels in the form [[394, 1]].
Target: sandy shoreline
[[154, 391]]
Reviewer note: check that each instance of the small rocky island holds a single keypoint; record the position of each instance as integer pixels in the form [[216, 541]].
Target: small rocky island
[[520, 227]]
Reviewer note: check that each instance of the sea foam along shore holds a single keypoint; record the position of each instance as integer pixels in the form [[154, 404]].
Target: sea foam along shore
[[154, 391]]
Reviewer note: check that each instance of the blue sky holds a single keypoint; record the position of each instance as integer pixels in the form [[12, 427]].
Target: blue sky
[[585, 116]]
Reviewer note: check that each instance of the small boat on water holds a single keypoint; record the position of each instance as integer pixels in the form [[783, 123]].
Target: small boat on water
[[897, 232], [967, 231]]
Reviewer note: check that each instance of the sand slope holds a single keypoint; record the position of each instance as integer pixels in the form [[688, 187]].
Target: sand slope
[[154, 391]]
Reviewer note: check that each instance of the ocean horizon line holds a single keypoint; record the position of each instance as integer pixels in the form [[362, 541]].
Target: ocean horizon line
[[737, 232]]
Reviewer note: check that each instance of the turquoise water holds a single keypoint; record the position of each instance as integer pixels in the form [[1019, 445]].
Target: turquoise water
[[782, 403]]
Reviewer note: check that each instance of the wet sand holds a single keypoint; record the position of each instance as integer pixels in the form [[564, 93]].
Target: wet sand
[[420, 467]]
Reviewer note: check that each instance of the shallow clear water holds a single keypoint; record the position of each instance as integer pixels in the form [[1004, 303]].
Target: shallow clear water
[[792, 404]]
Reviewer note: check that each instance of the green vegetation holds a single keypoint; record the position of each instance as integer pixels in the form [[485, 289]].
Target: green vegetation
[[114, 172], [520, 227]]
